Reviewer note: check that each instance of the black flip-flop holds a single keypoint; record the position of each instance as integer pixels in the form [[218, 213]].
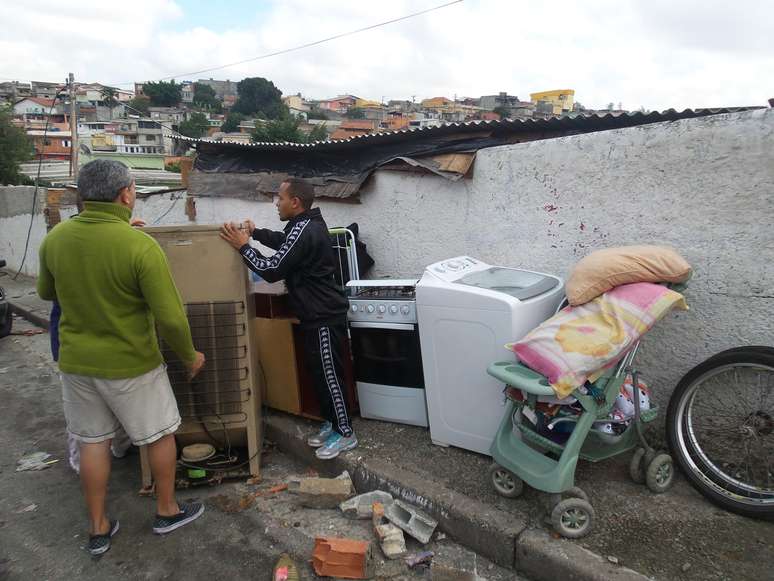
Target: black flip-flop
[[100, 544]]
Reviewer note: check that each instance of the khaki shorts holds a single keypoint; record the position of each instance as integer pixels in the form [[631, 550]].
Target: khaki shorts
[[97, 408]]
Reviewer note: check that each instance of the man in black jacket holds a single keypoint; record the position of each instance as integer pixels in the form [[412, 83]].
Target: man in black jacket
[[304, 258]]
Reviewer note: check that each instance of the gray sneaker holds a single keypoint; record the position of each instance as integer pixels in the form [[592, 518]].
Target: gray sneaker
[[100, 544], [322, 436], [188, 513], [335, 445]]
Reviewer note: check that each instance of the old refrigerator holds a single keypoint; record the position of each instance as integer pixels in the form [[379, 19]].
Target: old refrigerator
[[223, 402]]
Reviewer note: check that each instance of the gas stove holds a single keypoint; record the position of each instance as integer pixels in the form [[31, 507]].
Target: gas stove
[[383, 301]]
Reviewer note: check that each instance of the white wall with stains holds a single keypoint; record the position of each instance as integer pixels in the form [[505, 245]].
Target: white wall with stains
[[704, 186]]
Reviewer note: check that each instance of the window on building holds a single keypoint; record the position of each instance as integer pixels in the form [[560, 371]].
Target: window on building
[[150, 138], [147, 124]]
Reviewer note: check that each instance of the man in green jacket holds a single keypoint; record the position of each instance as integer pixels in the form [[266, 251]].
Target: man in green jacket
[[114, 285]]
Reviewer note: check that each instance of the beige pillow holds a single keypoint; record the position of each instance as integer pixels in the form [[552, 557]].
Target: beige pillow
[[605, 269]]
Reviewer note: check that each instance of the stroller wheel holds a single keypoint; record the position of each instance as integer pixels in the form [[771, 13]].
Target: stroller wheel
[[660, 474], [576, 492], [505, 482], [573, 518]]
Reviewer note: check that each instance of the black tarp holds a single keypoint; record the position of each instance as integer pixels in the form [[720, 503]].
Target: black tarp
[[339, 168]]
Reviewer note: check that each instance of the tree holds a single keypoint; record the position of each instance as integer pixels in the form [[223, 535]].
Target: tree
[[196, 126], [109, 95], [279, 130], [319, 133], [317, 113], [15, 148], [232, 122], [259, 96], [503, 111], [356, 113], [205, 98], [287, 129], [163, 94], [139, 105]]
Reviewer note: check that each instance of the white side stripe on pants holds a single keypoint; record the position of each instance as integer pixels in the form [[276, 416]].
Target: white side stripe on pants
[[334, 388]]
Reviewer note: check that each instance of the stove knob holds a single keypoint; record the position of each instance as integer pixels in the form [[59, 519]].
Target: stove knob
[[370, 308], [393, 310], [354, 308], [405, 310], [382, 308]]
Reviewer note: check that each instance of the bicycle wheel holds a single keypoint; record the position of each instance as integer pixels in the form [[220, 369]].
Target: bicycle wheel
[[720, 428]]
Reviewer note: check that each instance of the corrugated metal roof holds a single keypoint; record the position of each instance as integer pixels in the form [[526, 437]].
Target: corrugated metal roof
[[566, 123]]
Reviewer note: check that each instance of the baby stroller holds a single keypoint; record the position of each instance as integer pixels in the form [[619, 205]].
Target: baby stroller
[[522, 454]]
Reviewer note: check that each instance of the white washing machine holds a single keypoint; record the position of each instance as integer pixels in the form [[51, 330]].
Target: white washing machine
[[467, 311]]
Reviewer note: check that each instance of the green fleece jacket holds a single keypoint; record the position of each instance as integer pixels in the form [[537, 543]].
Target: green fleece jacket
[[114, 285]]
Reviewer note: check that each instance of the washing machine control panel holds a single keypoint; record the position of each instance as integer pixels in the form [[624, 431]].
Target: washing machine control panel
[[454, 268]]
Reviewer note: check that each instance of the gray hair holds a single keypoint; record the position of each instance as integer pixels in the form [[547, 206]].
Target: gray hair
[[101, 180]]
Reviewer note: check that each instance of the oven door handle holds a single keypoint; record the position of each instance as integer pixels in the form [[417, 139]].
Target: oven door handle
[[393, 326]]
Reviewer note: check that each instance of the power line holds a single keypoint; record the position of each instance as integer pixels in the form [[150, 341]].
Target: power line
[[37, 183], [302, 46]]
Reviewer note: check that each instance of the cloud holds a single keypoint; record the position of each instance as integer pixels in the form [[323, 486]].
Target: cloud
[[652, 53]]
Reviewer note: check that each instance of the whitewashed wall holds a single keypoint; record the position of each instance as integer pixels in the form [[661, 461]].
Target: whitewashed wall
[[704, 186], [15, 214]]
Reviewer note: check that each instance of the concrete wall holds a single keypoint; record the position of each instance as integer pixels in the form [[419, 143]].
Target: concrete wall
[[15, 215], [705, 186]]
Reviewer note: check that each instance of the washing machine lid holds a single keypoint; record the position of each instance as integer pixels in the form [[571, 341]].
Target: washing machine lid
[[520, 284]]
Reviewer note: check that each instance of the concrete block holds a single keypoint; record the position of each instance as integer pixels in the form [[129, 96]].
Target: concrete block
[[321, 492], [412, 520], [360, 507], [391, 539]]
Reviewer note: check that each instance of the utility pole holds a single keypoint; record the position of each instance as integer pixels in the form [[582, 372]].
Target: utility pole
[[73, 131]]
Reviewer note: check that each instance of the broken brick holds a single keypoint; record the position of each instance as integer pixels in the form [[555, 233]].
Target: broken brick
[[342, 558]]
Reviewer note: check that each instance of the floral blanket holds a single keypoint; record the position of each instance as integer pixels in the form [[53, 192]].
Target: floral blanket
[[580, 343]]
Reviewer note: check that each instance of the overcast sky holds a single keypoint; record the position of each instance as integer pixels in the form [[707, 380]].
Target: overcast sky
[[652, 53]]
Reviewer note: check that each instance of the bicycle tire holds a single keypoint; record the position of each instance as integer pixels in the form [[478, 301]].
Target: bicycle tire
[[711, 481]]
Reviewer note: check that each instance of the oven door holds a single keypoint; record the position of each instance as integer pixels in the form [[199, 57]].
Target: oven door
[[387, 354]]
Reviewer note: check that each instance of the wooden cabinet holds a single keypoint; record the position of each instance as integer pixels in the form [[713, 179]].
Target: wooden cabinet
[[288, 385], [277, 359]]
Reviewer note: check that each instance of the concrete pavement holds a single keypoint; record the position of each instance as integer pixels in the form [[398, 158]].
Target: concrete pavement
[[43, 522], [677, 535]]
